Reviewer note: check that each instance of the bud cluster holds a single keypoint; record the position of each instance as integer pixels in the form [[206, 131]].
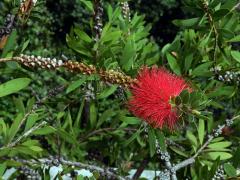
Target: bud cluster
[[229, 122], [164, 175], [28, 173], [8, 26], [89, 92], [94, 155], [219, 175], [33, 61], [53, 161], [110, 76], [126, 11], [116, 77], [217, 132], [80, 67], [98, 13], [163, 155], [119, 94], [228, 76]]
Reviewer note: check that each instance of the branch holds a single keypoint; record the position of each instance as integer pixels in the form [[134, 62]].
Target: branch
[[165, 156], [110, 76], [216, 133], [50, 161], [25, 135]]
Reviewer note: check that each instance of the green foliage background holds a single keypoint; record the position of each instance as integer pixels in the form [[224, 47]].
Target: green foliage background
[[88, 121]]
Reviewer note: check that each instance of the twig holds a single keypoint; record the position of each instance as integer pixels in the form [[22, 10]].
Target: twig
[[25, 135], [236, 7], [212, 24], [217, 132]]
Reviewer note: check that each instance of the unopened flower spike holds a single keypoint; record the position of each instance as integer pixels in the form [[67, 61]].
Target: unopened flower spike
[[151, 95]]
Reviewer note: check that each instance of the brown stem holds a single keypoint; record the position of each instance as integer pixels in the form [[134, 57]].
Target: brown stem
[[141, 168]]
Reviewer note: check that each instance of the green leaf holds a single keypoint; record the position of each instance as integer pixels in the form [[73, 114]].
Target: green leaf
[[45, 130], [36, 148], [188, 61], [128, 55], [3, 127], [93, 114], [201, 130], [217, 139], [230, 170], [106, 115], [13, 86], [80, 177], [226, 33], [3, 167], [186, 22], [111, 36], [214, 168], [215, 155], [11, 43], [19, 105], [220, 13], [202, 70], [130, 120], [4, 152], [14, 128], [32, 118], [134, 136], [107, 92], [178, 151], [173, 64], [152, 141], [236, 55], [192, 139], [161, 139], [79, 114], [109, 11], [219, 145], [25, 44], [223, 91], [88, 4], [236, 158], [74, 85], [235, 39], [30, 143], [82, 35], [66, 136]]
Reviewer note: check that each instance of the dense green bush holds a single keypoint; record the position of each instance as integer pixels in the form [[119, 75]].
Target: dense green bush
[[51, 116]]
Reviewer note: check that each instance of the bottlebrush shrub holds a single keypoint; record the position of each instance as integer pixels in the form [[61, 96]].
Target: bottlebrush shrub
[[58, 115]]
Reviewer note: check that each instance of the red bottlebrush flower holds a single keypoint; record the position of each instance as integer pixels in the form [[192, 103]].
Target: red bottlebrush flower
[[151, 96]]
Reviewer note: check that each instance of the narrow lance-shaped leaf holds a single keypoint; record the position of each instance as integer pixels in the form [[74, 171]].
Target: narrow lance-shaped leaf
[[13, 86], [201, 131], [152, 141], [173, 64]]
